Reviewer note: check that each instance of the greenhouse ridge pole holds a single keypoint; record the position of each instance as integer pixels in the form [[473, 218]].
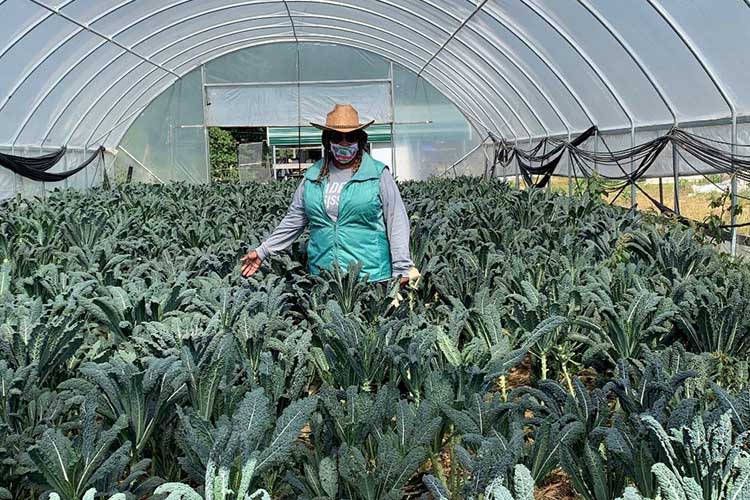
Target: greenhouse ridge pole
[[632, 169], [733, 200], [676, 177], [393, 118], [452, 36], [570, 168], [58, 11]]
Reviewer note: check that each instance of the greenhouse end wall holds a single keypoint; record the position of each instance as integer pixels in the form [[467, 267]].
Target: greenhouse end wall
[[166, 142]]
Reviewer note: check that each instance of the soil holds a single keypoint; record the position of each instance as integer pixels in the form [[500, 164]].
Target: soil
[[556, 487]]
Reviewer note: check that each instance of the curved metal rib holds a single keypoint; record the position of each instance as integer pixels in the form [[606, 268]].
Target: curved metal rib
[[633, 55], [215, 48], [582, 53], [697, 54], [193, 16], [243, 44], [145, 76], [546, 62]]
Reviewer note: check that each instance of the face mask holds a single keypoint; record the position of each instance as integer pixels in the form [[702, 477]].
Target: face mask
[[344, 154]]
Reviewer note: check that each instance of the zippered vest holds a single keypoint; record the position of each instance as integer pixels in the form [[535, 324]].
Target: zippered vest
[[358, 233]]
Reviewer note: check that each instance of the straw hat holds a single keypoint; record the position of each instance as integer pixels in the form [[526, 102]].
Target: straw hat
[[343, 118]]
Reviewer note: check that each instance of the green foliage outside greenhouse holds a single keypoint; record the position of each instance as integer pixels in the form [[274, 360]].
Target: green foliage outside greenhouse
[[222, 148]]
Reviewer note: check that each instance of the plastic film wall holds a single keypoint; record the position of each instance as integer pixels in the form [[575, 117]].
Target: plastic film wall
[[258, 87], [167, 141], [81, 71]]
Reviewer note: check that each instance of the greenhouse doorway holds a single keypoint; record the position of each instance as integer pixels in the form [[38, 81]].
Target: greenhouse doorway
[[295, 149], [284, 109], [239, 154]]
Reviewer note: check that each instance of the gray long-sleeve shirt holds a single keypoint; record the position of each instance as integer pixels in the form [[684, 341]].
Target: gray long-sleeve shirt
[[394, 212]]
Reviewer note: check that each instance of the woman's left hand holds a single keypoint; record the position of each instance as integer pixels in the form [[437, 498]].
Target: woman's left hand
[[404, 281]]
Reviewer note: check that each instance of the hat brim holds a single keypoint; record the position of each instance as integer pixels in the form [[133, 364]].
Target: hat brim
[[342, 129]]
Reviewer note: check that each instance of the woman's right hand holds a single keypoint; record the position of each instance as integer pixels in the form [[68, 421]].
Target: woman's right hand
[[250, 264]]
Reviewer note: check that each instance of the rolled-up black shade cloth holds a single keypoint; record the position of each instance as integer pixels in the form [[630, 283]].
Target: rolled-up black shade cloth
[[547, 170], [36, 168]]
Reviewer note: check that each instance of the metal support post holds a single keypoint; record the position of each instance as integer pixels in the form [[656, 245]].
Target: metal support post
[[205, 123], [596, 149], [273, 163], [661, 191], [632, 169], [570, 167], [676, 176], [733, 199], [44, 185], [393, 120]]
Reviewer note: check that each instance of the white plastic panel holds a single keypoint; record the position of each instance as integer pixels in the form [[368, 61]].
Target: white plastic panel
[[719, 29], [674, 66], [283, 105], [274, 105]]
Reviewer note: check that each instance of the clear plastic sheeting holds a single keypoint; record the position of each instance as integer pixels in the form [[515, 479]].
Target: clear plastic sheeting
[[82, 73], [372, 101], [93, 175], [272, 105], [250, 163], [430, 133], [289, 104], [168, 141]]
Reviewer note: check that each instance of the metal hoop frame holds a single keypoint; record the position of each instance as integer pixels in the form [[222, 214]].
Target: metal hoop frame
[[453, 65]]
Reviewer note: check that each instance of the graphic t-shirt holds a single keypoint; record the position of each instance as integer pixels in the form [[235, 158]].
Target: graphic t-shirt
[[337, 179]]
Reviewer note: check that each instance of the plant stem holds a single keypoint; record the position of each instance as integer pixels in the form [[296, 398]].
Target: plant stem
[[568, 381], [437, 467], [451, 455]]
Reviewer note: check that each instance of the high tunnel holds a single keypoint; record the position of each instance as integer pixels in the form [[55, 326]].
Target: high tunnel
[[90, 73]]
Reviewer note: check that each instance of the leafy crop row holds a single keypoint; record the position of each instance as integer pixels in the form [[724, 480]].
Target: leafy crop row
[[548, 336]]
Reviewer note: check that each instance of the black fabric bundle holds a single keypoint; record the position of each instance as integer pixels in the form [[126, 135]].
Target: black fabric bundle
[[546, 170], [37, 168]]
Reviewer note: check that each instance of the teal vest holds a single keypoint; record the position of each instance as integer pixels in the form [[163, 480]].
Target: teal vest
[[358, 233]]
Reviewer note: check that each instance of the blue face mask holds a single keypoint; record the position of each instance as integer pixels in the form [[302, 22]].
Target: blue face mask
[[344, 154]]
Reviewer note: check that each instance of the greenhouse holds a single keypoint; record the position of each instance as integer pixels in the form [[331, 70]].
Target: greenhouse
[[374, 249]]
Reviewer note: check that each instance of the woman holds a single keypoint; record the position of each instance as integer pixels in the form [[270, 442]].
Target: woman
[[351, 204]]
